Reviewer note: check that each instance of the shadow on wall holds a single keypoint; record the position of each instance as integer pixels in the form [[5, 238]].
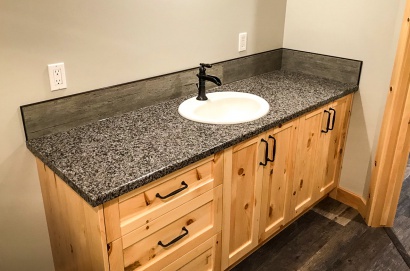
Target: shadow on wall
[[23, 223], [357, 139]]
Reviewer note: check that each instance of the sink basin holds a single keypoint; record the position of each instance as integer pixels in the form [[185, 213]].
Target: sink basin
[[225, 108]]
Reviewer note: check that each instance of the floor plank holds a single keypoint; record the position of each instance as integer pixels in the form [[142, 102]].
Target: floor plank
[[401, 227], [365, 251], [318, 241], [384, 264]]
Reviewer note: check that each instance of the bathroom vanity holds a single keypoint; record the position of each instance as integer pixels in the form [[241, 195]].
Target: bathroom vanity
[[150, 190]]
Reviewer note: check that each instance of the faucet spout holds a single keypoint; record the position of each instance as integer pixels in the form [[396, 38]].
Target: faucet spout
[[210, 78], [203, 77]]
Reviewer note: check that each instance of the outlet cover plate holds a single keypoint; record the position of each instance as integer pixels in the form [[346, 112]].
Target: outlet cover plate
[[243, 38], [56, 73]]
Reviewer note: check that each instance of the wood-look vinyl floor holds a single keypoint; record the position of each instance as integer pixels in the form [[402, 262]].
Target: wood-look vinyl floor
[[333, 237], [401, 227]]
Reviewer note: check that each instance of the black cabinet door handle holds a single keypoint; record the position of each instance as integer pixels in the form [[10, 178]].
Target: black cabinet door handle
[[273, 149], [266, 153], [176, 239], [185, 186], [334, 118], [328, 122]]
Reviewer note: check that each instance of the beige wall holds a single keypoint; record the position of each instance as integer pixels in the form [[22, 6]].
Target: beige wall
[[365, 30], [102, 43]]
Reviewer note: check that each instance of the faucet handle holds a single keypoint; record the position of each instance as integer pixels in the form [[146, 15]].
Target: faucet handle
[[203, 65]]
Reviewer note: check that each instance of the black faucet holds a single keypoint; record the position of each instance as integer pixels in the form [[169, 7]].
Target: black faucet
[[204, 77]]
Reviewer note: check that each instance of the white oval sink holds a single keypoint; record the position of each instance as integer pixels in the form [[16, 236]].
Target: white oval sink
[[225, 108]]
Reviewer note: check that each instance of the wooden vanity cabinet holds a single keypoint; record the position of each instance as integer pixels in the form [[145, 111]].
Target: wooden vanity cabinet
[[180, 221]]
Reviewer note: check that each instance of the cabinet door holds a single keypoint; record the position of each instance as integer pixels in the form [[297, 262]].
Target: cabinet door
[[306, 162], [277, 180], [331, 148], [241, 192]]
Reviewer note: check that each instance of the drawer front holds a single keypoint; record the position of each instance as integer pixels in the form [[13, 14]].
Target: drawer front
[[164, 240], [204, 257], [141, 208]]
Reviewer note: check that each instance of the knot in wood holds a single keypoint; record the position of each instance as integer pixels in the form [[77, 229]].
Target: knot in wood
[[241, 171]]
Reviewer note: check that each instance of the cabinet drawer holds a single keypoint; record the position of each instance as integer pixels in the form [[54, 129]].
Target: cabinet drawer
[[203, 258], [167, 238], [138, 209]]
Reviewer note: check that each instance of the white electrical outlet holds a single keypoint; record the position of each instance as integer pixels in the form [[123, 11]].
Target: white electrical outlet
[[58, 80], [243, 37]]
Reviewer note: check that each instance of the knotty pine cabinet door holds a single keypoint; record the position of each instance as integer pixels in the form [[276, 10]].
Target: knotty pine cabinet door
[[332, 145], [241, 199], [277, 180], [307, 164]]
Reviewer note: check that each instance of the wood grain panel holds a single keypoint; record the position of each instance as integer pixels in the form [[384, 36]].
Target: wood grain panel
[[242, 197], [242, 187], [277, 181], [76, 230], [306, 163]]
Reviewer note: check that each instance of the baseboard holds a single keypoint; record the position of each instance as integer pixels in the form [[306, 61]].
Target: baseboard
[[351, 199]]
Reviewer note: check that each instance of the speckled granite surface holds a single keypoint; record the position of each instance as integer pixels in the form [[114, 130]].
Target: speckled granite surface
[[106, 159]]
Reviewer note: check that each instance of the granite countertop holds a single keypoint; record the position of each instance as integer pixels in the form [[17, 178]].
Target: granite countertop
[[111, 157]]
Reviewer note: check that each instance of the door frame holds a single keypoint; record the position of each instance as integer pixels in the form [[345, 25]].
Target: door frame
[[394, 139]]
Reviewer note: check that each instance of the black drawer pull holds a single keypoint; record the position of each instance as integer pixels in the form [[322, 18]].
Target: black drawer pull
[[328, 122], [273, 149], [266, 153], [334, 118], [174, 192], [176, 239]]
